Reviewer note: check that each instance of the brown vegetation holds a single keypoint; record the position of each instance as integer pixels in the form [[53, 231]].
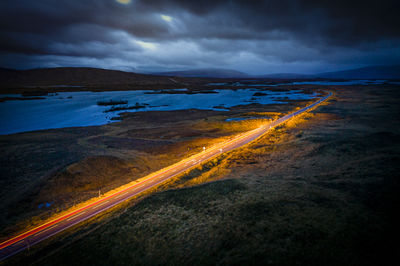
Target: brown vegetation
[[321, 190], [48, 171]]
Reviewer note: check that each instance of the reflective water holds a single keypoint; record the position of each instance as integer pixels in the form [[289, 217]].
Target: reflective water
[[71, 109]]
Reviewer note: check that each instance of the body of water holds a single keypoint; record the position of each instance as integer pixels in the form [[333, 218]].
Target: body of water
[[240, 118], [72, 109]]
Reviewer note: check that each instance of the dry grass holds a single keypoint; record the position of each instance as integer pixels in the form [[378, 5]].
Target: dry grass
[[320, 190], [84, 161]]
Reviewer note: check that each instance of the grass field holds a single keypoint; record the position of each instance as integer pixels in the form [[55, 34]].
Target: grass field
[[46, 172], [321, 190]]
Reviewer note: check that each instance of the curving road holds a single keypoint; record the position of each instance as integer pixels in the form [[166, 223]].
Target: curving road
[[42, 232]]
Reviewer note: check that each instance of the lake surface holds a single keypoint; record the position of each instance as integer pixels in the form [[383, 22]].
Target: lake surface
[[72, 109], [240, 119]]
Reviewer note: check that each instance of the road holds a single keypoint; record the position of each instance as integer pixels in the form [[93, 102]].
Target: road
[[42, 232]]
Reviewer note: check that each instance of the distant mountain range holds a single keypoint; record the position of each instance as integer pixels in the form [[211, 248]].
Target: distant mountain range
[[96, 78], [371, 72], [287, 76], [206, 72]]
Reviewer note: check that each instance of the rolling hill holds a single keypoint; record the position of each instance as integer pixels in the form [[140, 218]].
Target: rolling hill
[[77, 76], [371, 72], [207, 72]]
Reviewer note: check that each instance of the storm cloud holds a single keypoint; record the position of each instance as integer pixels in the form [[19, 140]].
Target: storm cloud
[[257, 37]]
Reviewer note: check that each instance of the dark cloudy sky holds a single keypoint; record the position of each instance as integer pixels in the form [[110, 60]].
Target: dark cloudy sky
[[257, 37]]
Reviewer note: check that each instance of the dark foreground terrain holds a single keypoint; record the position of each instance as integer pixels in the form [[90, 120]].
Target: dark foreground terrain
[[45, 172], [321, 190]]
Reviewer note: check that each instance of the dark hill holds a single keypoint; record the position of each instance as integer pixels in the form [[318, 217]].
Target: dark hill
[[287, 76], [78, 76], [371, 72], [207, 72]]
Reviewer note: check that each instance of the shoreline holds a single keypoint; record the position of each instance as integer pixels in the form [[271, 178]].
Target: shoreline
[[81, 109]]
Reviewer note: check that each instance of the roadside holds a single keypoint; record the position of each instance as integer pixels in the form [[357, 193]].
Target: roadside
[[47, 172], [320, 191]]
